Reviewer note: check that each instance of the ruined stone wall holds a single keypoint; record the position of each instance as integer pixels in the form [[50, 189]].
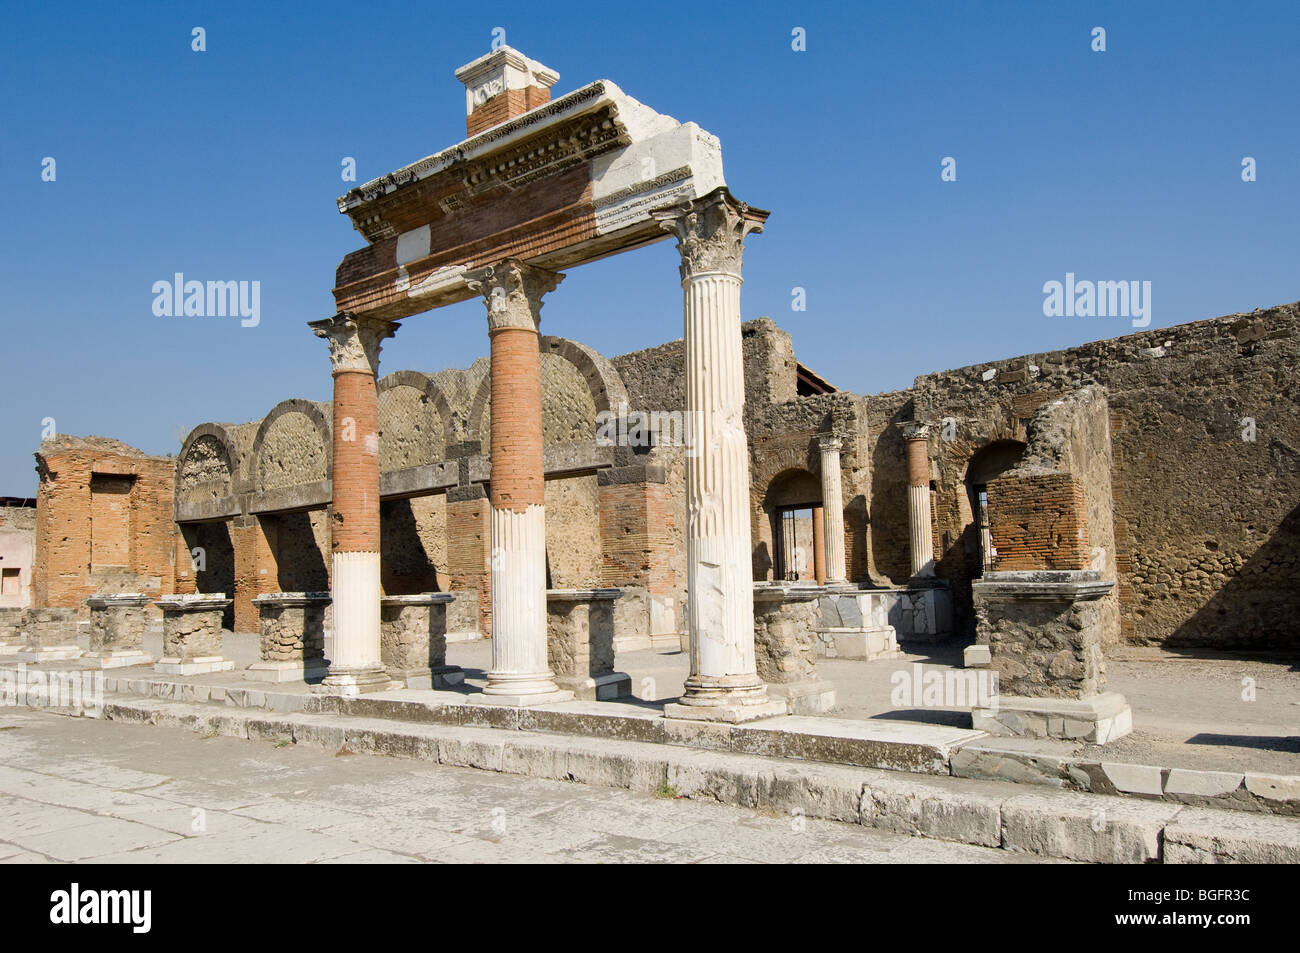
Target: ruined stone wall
[[573, 549], [1205, 435], [103, 523], [887, 493], [413, 554], [784, 442]]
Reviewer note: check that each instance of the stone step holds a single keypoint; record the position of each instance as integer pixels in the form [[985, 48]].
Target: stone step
[[1050, 823]]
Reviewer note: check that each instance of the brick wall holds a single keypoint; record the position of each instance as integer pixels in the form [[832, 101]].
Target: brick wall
[[1038, 522], [507, 105], [469, 547], [104, 522]]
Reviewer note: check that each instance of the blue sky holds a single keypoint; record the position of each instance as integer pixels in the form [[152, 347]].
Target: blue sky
[[225, 165]]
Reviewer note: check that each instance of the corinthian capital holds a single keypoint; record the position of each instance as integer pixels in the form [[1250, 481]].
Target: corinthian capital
[[711, 232], [915, 430], [354, 341], [513, 291]]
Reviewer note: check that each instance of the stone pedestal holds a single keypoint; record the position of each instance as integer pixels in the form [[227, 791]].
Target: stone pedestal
[[785, 646], [51, 636], [192, 634], [1043, 632], [854, 624], [117, 624], [580, 643], [723, 684], [11, 631], [292, 626], [413, 640]]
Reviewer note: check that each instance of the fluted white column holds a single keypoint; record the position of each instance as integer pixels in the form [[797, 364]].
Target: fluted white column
[[833, 509], [724, 683], [521, 672], [920, 527]]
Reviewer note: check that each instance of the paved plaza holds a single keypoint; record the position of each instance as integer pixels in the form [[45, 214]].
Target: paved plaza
[[93, 791]]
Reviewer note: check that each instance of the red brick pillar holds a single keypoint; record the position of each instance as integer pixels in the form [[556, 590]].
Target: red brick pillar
[[521, 674], [636, 523], [921, 529], [255, 569], [183, 571], [354, 344]]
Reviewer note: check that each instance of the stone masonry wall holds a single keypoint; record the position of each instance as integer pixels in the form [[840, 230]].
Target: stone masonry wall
[[1204, 426]]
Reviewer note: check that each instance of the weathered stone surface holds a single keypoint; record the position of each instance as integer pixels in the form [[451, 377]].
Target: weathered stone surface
[[875, 744], [192, 626], [963, 811], [292, 626], [580, 642], [1022, 760], [1200, 836], [785, 623], [1091, 828]]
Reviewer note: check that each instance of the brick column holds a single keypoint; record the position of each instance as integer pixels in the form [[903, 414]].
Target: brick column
[[833, 505], [636, 554], [724, 683], [921, 530], [354, 344], [255, 569], [520, 674], [469, 534]]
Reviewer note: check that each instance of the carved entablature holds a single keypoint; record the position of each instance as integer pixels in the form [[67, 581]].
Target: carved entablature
[[711, 232], [354, 342], [513, 292], [563, 147]]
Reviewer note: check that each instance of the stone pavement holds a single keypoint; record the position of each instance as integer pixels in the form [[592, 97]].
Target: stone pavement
[[79, 789]]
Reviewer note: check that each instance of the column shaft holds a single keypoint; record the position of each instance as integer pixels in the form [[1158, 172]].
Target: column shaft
[[355, 663], [521, 673], [724, 683], [921, 532], [833, 503]]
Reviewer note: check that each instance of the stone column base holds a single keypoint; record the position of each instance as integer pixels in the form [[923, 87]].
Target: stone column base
[[864, 643], [49, 653], [119, 658], [597, 688], [292, 671], [521, 700], [1096, 720], [815, 697], [199, 665], [428, 678], [731, 714], [976, 656], [350, 682]]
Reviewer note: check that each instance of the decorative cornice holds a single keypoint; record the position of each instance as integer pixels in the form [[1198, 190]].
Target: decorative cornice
[[711, 232], [513, 292], [354, 342]]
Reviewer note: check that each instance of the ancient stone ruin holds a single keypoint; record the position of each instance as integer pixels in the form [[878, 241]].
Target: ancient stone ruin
[[570, 505]]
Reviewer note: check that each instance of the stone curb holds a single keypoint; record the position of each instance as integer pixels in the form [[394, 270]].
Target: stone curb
[[1059, 824], [1024, 761]]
